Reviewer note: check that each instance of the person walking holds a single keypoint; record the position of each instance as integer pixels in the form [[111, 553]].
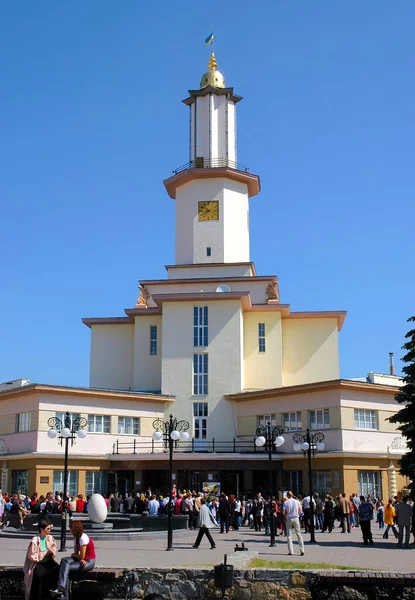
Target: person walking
[[356, 502], [40, 568], [365, 517], [390, 519], [403, 519], [345, 508], [82, 559], [205, 521], [292, 511]]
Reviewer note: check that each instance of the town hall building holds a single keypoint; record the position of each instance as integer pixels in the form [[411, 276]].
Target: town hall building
[[212, 344]]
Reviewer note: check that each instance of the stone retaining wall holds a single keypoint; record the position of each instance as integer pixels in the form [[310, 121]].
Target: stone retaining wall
[[250, 584]]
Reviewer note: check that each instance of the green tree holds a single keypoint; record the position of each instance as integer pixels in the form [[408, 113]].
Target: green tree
[[406, 416]]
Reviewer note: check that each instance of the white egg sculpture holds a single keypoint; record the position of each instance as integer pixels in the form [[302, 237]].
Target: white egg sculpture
[[97, 509]]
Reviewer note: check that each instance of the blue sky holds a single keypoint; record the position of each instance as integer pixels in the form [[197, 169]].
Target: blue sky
[[91, 122]]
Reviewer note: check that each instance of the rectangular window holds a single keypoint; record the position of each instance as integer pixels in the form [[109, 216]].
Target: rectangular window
[[365, 419], [129, 425], [96, 482], [72, 482], [20, 480], [200, 374], [200, 326], [291, 421], [208, 251], [200, 409], [264, 419], [293, 481], [72, 417], [369, 483], [23, 421], [261, 337], [319, 419], [322, 482], [153, 340], [98, 423]]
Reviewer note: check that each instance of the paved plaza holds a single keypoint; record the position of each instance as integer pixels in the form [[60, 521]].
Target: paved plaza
[[149, 551]]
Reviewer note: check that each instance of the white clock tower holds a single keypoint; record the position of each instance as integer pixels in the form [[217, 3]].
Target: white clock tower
[[212, 190]]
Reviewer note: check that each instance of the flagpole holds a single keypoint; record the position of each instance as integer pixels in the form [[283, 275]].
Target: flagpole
[[213, 41]]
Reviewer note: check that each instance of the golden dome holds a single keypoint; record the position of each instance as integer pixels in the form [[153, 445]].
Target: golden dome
[[212, 77]]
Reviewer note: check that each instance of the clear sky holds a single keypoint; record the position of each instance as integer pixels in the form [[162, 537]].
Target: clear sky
[[91, 122]]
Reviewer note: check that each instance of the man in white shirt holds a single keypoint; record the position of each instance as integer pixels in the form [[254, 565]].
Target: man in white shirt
[[307, 512], [292, 511]]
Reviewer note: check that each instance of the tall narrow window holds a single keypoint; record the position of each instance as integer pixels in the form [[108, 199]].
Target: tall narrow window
[[200, 374], [261, 337], [208, 251], [200, 326], [153, 340], [23, 421]]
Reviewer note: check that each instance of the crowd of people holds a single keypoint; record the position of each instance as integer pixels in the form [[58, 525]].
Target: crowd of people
[[288, 515]]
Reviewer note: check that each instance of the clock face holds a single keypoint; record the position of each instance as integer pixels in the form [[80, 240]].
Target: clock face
[[208, 211]]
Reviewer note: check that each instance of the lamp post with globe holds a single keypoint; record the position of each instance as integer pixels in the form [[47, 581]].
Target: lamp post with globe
[[66, 429], [308, 443], [270, 436], [172, 431]]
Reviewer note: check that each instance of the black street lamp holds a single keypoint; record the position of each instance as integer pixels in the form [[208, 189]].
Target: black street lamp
[[66, 429], [270, 436], [308, 443], [173, 431]]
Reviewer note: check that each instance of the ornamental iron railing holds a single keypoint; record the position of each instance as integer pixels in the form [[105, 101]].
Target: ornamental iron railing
[[233, 446], [211, 163]]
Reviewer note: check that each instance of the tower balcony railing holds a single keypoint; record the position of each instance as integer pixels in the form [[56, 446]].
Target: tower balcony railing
[[211, 163], [194, 445]]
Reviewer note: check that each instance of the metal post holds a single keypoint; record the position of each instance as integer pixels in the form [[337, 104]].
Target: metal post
[[271, 515], [310, 486], [170, 506], [65, 493]]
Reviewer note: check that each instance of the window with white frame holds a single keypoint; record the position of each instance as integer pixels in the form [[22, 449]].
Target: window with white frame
[[96, 482], [23, 421], [72, 482], [291, 421], [322, 482], [319, 419], [200, 374], [200, 326], [153, 340], [72, 417], [200, 409], [129, 425], [261, 337], [264, 419], [365, 419], [369, 483], [98, 423]]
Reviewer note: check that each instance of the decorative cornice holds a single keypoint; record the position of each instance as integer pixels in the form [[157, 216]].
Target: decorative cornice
[[190, 280], [210, 89], [318, 386], [183, 177], [34, 388], [198, 265]]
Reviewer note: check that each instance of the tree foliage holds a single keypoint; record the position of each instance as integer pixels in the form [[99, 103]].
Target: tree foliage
[[406, 416]]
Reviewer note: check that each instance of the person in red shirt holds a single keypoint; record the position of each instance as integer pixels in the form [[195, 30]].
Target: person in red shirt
[[82, 559], [80, 504]]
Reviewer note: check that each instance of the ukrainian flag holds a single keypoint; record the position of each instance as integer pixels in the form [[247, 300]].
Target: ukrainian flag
[[209, 39]]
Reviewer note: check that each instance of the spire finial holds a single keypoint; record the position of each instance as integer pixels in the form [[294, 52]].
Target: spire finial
[[212, 64], [212, 77]]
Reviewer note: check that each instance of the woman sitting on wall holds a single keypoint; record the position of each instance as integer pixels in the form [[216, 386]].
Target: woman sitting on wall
[[82, 559], [40, 568]]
